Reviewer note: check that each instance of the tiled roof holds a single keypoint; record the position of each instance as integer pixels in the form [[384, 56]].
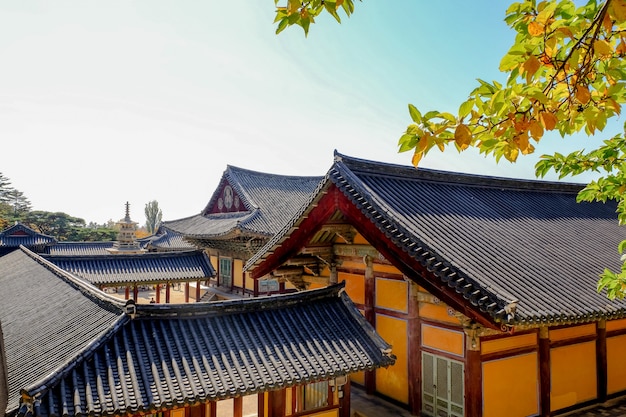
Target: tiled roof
[[37, 304], [270, 200], [491, 240], [171, 355], [19, 234], [150, 267], [79, 248], [166, 240]]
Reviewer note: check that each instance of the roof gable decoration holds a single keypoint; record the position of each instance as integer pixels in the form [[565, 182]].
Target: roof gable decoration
[[228, 200]]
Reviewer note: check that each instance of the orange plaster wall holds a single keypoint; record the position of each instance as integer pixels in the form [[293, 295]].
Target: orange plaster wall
[[438, 312], [179, 412], [393, 381], [289, 286], [510, 386], [214, 260], [616, 372], [249, 283], [615, 325], [506, 343], [360, 240], [445, 340], [572, 332], [238, 273], [355, 286], [573, 372], [392, 294], [358, 377], [390, 269]]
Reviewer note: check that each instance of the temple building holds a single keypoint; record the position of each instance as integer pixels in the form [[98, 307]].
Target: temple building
[[484, 286], [69, 349], [246, 209]]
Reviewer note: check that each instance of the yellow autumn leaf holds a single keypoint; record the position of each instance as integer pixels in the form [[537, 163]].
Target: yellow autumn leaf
[[548, 120], [536, 130], [511, 152], [417, 157], [618, 10], [566, 31], [535, 29], [550, 47], [422, 144], [582, 94], [462, 136], [293, 6], [615, 105], [531, 66], [602, 48]]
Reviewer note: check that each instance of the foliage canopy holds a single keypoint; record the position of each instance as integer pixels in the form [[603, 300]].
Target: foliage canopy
[[565, 73]]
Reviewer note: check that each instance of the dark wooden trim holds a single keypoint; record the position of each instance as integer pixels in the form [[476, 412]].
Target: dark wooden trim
[[370, 316], [344, 399], [238, 407], [490, 337], [260, 404], [575, 341], [544, 372], [391, 313], [213, 409], [414, 359], [618, 332], [509, 352], [443, 325], [443, 354], [277, 403], [473, 384], [601, 360]]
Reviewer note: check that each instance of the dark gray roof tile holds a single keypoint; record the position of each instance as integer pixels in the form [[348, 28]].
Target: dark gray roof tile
[[150, 267]]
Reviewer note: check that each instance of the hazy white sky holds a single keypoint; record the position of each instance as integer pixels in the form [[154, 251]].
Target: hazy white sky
[[103, 102]]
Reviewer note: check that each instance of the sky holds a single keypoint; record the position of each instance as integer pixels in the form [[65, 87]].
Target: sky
[[108, 102]]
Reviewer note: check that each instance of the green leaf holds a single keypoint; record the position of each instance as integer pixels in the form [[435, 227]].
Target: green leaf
[[466, 108], [416, 116]]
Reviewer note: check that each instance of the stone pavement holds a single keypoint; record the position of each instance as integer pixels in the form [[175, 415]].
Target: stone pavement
[[363, 405]]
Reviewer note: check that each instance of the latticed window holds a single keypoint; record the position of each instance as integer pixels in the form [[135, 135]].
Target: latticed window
[[226, 272], [312, 396]]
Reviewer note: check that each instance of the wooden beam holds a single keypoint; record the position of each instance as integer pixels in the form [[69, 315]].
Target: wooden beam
[[601, 360], [544, 371]]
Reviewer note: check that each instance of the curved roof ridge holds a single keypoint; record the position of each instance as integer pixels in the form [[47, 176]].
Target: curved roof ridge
[[237, 305], [77, 282], [435, 175]]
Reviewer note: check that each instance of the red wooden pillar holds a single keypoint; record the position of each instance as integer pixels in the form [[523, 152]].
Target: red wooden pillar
[[126, 293], [167, 292], [197, 291], [277, 404], [344, 399], [158, 293], [601, 362], [414, 351], [370, 315], [238, 407], [473, 379], [544, 371], [212, 409], [186, 292], [260, 404], [135, 292]]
